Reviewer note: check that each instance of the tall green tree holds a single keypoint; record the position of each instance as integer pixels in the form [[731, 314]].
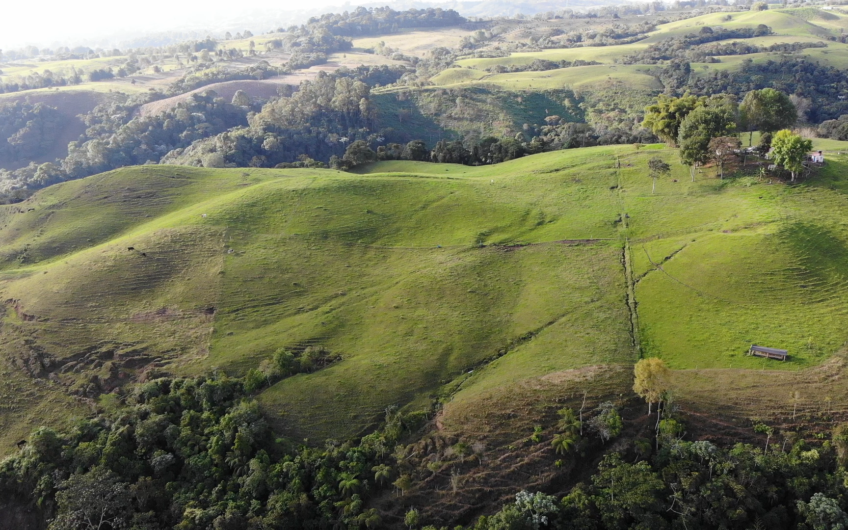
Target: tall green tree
[[627, 494], [664, 117], [348, 483], [823, 513], [415, 150], [766, 110], [789, 150], [700, 126], [569, 422], [241, 99], [96, 500], [359, 153], [411, 518]]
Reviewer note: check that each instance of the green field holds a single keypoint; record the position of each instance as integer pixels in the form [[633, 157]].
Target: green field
[[575, 77], [432, 282], [788, 26], [22, 69], [417, 43]]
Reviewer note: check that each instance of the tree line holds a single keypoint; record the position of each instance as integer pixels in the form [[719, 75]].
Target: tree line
[[696, 485], [382, 20], [821, 85]]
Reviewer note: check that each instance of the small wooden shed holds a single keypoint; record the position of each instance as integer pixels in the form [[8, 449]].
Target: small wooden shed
[[770, 353]]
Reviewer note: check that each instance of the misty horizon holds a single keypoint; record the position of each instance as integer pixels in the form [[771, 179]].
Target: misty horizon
[[99, 25]]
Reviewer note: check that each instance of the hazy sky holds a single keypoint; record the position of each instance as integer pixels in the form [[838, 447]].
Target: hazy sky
[[50, 22]]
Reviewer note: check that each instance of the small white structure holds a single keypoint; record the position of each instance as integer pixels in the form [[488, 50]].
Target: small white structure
[[817, 157]]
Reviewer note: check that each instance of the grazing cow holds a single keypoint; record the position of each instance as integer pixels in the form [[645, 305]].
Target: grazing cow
[[130, 248]]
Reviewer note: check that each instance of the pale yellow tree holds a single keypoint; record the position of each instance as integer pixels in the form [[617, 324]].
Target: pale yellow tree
[[651, 380]]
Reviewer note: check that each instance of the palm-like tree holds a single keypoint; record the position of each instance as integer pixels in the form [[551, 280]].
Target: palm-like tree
[[371, 518], [568, 421], [563, 443], [403, 483], [381, 473], [350, 507], [348, 483], [236, 462]]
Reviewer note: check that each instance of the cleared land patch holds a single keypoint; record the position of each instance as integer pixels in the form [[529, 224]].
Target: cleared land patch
[[417, 43]]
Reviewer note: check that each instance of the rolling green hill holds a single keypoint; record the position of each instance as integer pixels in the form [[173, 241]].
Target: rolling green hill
[[788, 26], [431, 282]]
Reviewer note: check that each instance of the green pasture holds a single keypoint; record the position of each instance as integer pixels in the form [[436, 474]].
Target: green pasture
[[431, 282], [244, 44], [721, 265], [22, 69], [781, 23], [124, 85], [554, 79], [417, 43], [601, 54]]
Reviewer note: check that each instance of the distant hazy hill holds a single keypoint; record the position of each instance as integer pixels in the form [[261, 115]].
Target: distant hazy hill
[[500, 8]]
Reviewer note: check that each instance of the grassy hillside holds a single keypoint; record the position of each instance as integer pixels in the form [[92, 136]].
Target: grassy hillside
[[788, 26], [476, 287], [576, 77], [415, 43]]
